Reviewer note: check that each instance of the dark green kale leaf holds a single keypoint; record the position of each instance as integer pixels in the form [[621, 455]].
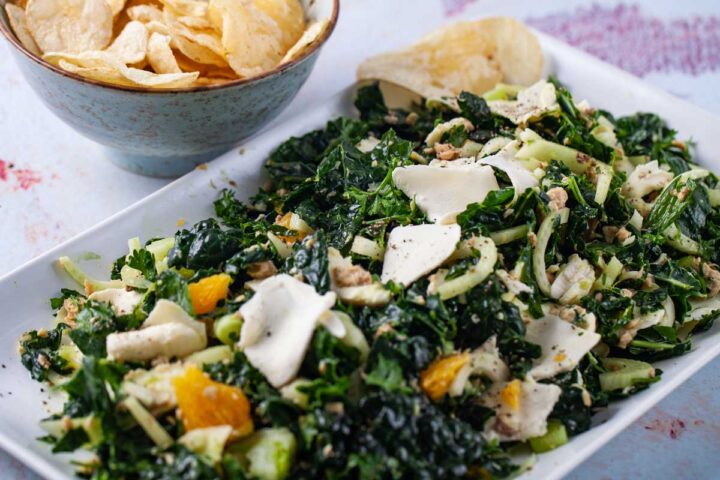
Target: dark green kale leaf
[[413, 437], [657, 343], [39, 352], [172, 286], [613, 311], [370, 103], [488, 216], [571, 408], [574, 129], [329, 364], [310, 258], [297, 159], [485, 314], [669, 205], [204, 246], [647, 134]]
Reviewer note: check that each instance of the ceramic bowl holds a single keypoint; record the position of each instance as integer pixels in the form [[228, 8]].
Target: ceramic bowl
[[168, 132]]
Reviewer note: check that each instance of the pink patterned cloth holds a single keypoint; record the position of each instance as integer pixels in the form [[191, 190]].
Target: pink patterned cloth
[[637, 42]]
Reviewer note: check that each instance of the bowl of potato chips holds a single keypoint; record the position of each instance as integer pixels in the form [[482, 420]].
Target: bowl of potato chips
[[167, 84]]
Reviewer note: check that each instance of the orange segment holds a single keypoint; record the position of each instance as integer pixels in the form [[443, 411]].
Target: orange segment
[[207, 292], [286, 221], [510, 394], [437, 378], [203, 402]]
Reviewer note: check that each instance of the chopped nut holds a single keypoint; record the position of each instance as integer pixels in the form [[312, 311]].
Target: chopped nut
[[351, 276], [260, 270], [558, 198], [445, 151]]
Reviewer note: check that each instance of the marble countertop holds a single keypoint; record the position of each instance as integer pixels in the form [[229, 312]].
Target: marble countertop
[[54, 183]]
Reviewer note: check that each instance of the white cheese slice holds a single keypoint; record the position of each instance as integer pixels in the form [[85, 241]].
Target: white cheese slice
[[279, 321], [416, 250], [166, 340], [517, 170], [531, 104], [122, 301], [563, 345], [168, 331], [443, 192], [527, 417]]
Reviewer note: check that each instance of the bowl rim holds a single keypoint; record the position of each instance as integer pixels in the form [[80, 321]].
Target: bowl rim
[[311, 49]]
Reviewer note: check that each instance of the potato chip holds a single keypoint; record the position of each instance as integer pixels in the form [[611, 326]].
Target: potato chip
[[101, 74], [190, 8], [116, 6], [132, 43], [160, 55], [16, 17], [252, 39], [70, 25], [99, 64], [203, 46], [472, 56], [144, 13], [289, 16], [313, 32]]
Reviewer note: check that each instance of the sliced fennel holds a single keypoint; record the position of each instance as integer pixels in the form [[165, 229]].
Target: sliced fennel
[[89, 283], [543, 237]]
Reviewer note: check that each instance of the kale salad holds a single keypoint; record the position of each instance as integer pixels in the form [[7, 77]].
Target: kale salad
[[417, 293]]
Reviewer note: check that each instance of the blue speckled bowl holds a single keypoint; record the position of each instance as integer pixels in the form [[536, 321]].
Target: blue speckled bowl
[[167, 133]]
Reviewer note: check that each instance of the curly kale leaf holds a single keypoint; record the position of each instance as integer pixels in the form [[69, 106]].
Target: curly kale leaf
[[39, 352], [204, 246], [94, 323], [297, 159], [485, 314], [395, 436], [310, 258], [647, 134]]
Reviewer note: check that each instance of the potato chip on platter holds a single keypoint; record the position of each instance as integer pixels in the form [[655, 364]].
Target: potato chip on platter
[[311, 34], [132, 43], [70, 25], [472, 56], [160, 55], [16, 17], [251, 38]]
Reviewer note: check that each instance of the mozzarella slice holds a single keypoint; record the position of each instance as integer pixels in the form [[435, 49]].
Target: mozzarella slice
[[443, 192], [279, 321], [531, 104], [520, 177], [521, 409], [166, 311], [563, 345], [168, 331], [122, 301], [416, 250], [166, 340]]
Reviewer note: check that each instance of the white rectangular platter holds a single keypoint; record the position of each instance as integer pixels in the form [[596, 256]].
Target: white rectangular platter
[[24, 293]]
